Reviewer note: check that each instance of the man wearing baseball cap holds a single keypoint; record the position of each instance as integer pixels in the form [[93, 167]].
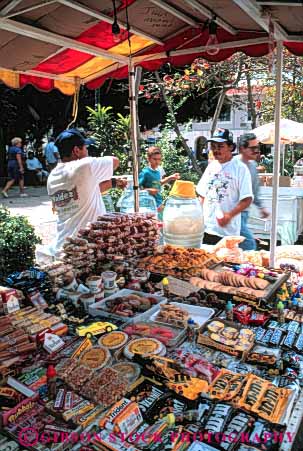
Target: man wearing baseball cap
[[74, 184], [225, 190]]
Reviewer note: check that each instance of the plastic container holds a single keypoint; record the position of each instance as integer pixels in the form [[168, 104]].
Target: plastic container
[[200, 314], [100, 308], [179, 333], [108, 202], [126, 203], [183, 223]]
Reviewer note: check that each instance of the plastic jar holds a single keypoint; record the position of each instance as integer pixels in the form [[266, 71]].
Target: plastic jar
[[183, 223]]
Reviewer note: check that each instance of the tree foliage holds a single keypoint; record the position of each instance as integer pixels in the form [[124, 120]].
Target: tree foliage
[[112, 134], [17, 243]]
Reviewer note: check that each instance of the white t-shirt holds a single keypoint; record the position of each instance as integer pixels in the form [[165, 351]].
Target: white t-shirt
[[223, 186], [74, 190]]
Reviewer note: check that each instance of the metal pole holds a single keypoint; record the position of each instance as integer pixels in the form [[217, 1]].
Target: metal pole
[[134, 131], [276, 168], [138, 75], [283, 158]]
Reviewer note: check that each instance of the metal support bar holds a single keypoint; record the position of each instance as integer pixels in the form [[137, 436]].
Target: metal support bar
[[11, 5], [255, 12], [175, 12], [276, 168], [30, 8], [134, 131], [59, 40], [100, 16], [188, 51], [210, 15], [138, 75]]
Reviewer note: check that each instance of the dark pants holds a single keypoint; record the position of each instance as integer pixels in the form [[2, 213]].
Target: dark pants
[[211, 239]]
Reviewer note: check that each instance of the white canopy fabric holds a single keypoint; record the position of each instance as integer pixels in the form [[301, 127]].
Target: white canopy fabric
[[290, 132]]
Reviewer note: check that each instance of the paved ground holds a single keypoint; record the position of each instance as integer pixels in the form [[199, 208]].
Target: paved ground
[[37, 207]]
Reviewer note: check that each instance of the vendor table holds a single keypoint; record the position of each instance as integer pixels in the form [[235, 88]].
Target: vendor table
[[290, 214]]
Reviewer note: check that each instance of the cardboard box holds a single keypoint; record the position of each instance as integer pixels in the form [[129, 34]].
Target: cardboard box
[[10, 301], [266, 180]]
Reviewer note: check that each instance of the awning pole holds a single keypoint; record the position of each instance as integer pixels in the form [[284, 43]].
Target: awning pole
[[276, 168], [134, 131]]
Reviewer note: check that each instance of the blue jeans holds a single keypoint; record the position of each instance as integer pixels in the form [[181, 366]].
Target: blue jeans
[[249, 244]]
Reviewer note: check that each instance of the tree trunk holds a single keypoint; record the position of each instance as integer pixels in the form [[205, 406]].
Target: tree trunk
[[251, 103], [218, 110], [176, 126]]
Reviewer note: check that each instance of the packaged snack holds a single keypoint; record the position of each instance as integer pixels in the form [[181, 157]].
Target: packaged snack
[[146, 395], [124, 417], [289, 340]]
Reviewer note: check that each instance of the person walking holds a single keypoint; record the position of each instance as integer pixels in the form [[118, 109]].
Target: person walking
[[249, 155], [225, 189], [15, 168], [51, 154]]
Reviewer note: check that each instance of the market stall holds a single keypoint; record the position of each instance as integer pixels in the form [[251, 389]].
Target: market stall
[[63, 44], [124, 344]]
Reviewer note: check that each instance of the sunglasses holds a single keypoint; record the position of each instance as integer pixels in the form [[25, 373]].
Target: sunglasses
[[255, 149]]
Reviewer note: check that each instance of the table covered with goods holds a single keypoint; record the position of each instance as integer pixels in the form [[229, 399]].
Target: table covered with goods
[[126, 345]]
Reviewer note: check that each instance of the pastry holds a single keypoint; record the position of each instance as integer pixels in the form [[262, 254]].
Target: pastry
[[130, 371], [144, 347], [95, 358], [113, 340], [215, 326]]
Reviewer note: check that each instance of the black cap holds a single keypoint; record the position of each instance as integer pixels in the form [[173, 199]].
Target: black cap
[[221, 136], [75, 136]]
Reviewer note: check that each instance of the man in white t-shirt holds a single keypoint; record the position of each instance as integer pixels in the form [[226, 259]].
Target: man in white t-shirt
[[74, 185], [225, 189]]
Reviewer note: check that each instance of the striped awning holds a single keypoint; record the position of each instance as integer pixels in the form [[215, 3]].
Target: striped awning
[[59, 44]]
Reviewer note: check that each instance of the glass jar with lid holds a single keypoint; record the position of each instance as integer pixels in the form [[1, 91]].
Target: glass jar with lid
[[183, 223]]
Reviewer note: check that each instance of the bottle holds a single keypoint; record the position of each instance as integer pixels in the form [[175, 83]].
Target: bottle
[[108, 202], [280, 309], [165, 284], [126, 203], [51, 376], [229, 311], [191, 330]]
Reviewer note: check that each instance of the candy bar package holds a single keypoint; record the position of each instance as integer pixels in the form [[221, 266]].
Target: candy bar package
[[238, 425], [167, 404], [299, 343], [147, 395], [289, 340], [262, 355], [218, 418]]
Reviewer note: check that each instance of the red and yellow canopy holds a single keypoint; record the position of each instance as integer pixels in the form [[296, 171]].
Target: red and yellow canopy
[[63, 43]]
